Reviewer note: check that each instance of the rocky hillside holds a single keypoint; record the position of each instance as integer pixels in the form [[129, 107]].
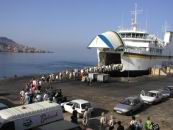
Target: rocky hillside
[[8, 45]]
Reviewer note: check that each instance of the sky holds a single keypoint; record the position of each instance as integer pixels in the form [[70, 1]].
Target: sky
[[68, 26]]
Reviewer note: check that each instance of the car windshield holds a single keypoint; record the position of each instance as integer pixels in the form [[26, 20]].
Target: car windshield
[[70, 103], [166, 88], [151, 94], [165, 91], [127, 102], [85, 105]]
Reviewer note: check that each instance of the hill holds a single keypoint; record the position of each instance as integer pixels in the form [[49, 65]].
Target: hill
[[8, 45]]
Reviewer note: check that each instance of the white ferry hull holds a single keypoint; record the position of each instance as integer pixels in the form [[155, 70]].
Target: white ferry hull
[[136, 62]]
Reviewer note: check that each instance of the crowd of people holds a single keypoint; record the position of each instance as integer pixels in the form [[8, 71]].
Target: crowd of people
[[35, 92], [77, 74], [112, 124]]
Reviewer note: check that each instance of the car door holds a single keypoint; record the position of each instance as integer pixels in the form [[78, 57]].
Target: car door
[[137, 104], [69, 107], [158, 97], [77, 107]]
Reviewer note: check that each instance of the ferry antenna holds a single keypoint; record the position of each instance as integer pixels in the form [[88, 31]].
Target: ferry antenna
[[134, 19], [166, 26]]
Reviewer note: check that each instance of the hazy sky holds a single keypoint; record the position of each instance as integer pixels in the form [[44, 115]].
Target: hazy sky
[[68, 26]]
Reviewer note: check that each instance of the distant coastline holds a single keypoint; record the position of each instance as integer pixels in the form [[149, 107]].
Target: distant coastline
[[8, 45], [42, 51]]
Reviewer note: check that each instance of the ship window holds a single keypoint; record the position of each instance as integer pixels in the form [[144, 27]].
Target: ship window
[[122, 35], [128, 35], [144, 36], [133, 35], [140, 35]]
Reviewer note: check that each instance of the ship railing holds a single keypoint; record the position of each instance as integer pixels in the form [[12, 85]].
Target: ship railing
[[138, 51]]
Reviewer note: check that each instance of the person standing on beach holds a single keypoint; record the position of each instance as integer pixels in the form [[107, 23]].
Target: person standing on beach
[[22, 96], [139, 125], [26, 101], [133, 123], [120, 127], [34, 83], [86, 117], [45, 96], [111, 123], [148, 124], [74, 116], [103, 121]]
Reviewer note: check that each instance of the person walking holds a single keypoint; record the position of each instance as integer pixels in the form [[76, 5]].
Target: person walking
[[148, 124], [74, 116], [139, 125], [111, 123], [103, 121], [133, 123], [86, 117], [120, 127], [22, 96]]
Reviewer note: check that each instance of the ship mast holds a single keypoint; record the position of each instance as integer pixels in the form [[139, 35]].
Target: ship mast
[[134, 18]]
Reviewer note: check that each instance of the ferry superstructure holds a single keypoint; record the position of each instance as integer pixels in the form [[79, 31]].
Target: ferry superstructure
[[136, 50]]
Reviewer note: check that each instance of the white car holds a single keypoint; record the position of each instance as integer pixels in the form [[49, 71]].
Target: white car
[[79, 105], [150, 97]]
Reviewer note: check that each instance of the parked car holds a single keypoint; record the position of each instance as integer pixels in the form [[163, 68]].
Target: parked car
[[165, 93], [129, 105], [150, 97], [79, 105], [169, 89], [3, 106]]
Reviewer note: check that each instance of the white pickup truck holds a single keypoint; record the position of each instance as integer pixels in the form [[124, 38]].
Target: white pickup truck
[[151, 97]]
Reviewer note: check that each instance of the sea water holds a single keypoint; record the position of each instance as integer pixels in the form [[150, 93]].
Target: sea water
[[22, 64]]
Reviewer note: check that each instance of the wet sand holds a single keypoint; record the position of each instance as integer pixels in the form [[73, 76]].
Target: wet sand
[[104, 96]]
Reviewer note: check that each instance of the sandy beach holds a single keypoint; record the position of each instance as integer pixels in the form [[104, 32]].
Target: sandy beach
[[103, 96]]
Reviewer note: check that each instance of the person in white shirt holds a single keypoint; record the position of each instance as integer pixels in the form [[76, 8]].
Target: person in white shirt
[[22, 96], [86, 117], [133, 123], [103, 121]]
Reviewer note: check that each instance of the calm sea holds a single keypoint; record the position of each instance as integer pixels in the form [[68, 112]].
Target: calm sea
[[22, 64]]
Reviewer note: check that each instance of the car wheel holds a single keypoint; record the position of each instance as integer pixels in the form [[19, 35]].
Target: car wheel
[[130, 113], [92, 113]]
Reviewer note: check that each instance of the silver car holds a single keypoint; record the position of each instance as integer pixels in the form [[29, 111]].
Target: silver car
[[169, 90], [129, 105]]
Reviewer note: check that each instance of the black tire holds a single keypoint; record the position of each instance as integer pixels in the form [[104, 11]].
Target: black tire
[[92, 114], [130, 113]]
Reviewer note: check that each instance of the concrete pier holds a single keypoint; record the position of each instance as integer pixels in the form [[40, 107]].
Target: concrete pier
[[156, 71]]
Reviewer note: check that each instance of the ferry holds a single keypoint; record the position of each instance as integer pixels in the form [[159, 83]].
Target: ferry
[[135, 49]]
